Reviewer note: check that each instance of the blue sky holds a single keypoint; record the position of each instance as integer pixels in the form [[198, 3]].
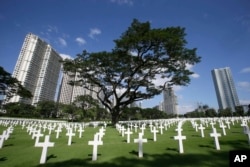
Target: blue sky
[[220, 30]]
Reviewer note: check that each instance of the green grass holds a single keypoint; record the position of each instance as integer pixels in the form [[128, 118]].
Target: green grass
[[19, 150]]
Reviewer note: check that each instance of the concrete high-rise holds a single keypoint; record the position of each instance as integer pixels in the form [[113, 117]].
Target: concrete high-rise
[[225, 89], [37, 68], [169, 101], [68, 92]]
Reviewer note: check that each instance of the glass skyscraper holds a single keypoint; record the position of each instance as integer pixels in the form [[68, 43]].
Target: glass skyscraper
[[37, 68], [225, 89]]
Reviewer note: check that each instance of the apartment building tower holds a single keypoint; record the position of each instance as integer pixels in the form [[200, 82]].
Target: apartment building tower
[[37, 68], [225, 89]]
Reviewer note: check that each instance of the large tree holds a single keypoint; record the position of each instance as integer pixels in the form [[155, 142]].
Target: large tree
[[129, 72]]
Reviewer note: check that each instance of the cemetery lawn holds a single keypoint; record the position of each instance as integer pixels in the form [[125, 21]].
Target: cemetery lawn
[[19, 150]]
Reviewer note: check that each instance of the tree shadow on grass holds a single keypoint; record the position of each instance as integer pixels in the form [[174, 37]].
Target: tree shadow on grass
[[219, 158], [3, 159]]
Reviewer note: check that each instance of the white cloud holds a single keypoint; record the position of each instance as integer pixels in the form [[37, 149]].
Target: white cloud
[[195, 75], [62, 41], [94, 32], [123, 2], [244, 85], [190, 67], [80, 41], [245, 70], [52, 29], [65, 56]]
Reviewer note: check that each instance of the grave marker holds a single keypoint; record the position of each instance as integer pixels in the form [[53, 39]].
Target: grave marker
[[95, 144], [216, 136], [179, 137], [45, 146], [140, 141], [154, 131], [70, 134], [128, 132]]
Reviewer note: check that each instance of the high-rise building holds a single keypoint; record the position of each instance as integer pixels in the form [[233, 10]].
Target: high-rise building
[[68, 92], [169, 101], [225, 89], [37, 68]]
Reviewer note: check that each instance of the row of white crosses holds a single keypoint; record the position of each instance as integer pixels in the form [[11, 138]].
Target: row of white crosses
[[34, 129]]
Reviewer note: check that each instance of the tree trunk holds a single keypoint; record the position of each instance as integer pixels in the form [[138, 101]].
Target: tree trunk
[[115, 117]]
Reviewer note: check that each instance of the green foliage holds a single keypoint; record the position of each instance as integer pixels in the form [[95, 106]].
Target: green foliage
[[239, 111], [47, 109], [127, 73], [20, 110], [227, 112]]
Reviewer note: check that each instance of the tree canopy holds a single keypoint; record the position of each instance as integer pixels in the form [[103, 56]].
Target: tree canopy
[[129, 73]]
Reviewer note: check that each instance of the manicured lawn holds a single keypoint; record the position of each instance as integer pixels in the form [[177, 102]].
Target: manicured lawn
[[19, 149]]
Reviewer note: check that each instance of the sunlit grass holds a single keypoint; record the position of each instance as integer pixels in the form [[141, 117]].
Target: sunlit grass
[[19, 149]]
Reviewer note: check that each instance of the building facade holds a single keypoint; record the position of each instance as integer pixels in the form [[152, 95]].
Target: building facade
[[68, 92], [37, 68], [169, 102], [225, 89]]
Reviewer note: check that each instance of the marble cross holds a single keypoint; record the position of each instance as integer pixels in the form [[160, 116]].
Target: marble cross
[[96, 142], [154, 131], [128, 132], [45, 146], [70, 134], [216, 136], [140, 142], [201, 128], [179, 137]]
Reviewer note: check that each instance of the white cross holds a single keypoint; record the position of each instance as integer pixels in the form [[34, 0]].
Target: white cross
[[180, 138], [140, 140], [135, 126], [216, 140], [128, 132], [161, 128], [2, 138], [80, 130], [228, 124], [142, 129], [70, 134], [154, 131], [212, 124], [247, 132], [50, 128], [101, 133], [196, 126], [123, 130], [45, 146], [202, 130], [223, 127], [95, 144], [58, 130]]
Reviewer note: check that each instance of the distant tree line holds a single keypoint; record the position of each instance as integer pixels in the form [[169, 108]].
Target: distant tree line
[[80, 110], [206, 111]]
